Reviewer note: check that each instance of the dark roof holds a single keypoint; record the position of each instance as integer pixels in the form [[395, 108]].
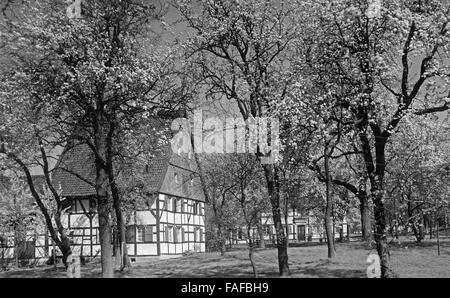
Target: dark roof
[[156, 170], [75, 171], [74, 174], [157, 167]]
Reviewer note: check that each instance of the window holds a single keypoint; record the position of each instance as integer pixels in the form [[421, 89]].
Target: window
[[183, 206], [175, 235], [198, 235], [175, 176], [167, 203], [95, 236], [198, 209], [174, 204], [179, 205], [130, 234], [140, 234], [148, 234], [92, 204], [178, 235], [169, 233]]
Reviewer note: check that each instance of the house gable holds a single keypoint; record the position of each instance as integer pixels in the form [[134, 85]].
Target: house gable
[[74, 174]]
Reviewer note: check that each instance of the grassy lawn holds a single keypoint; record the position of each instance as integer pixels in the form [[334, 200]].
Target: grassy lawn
[[408, 259]]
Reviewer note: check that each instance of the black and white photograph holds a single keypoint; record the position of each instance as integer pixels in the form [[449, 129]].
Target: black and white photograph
[[224, 144]]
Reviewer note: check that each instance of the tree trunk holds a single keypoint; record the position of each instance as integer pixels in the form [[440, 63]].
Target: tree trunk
[[16, 248], [103, 203], [252, 261], [273, 189], [64, 244], [286, 217], [396, 221], [262, 243], [430, 223], [376, 170], [122, 251], [54, 255], [329, 232], [222, 244], [65, 248], [380, 229], [251, 252], [437, 236], [329, 209], [364, 208], [421, 229], [416, 232], [426, 228], [348, 231], [105, 237], [115, 248]]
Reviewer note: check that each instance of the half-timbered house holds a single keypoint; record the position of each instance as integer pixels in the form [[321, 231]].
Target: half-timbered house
[[299, 228], [167, 220]]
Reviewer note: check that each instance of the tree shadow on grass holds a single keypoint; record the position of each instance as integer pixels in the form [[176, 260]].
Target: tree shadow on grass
[[298, 244], [326, 268], [402, 244], [320, 272], [362, 245], [200, 272], [421, 245], [34, 273]]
